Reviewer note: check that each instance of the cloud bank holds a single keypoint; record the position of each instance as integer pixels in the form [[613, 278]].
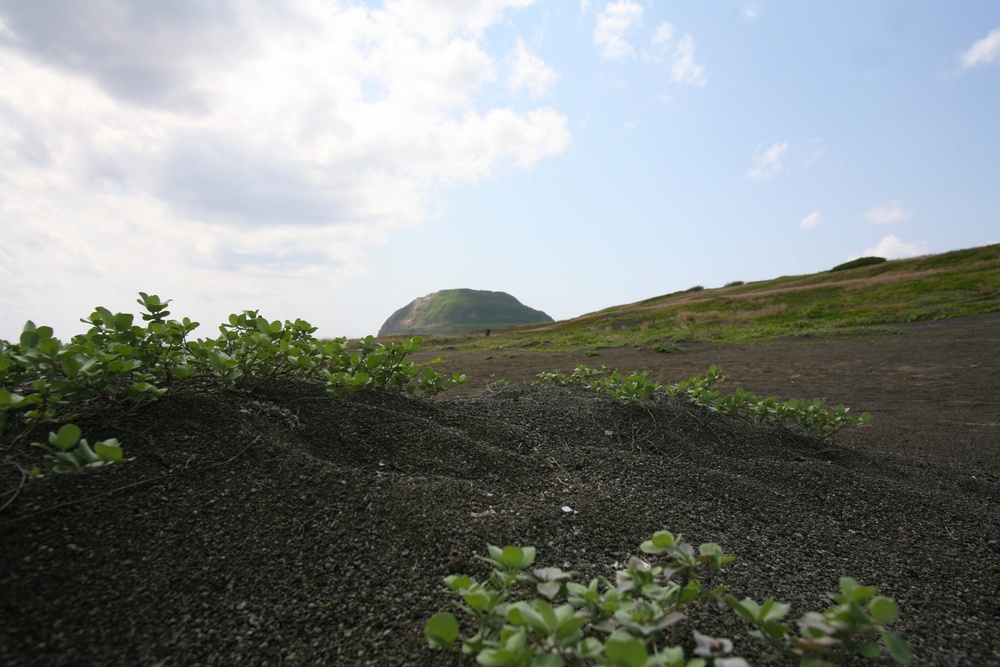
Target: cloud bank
[[221, 140]]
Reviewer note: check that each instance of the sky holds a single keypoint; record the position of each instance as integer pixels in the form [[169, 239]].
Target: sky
[[332, 161]]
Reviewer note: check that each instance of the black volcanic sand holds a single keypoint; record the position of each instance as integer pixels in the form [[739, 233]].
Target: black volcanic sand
[[243, 534]]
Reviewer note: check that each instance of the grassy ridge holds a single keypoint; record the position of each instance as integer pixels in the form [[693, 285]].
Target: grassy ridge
[[953, 284]]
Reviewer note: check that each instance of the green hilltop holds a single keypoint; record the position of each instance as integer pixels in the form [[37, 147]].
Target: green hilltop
[[453, 311]]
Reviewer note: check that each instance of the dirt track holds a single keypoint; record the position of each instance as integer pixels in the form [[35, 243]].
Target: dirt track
[[244, 534]]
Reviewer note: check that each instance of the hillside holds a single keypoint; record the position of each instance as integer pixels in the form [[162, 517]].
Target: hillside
[[459, 310], [934, 287]]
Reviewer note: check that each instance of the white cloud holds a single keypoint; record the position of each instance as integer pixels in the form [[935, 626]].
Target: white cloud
[[811, 221], [884, 214], [529, 71], [613, 24], [767, 161], [983, 51], [683, 67], [240, 148], [750, 14], [677, 58], [892, 247], [816, 151]]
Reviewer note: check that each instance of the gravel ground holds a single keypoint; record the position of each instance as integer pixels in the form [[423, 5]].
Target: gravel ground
[[279, 526]]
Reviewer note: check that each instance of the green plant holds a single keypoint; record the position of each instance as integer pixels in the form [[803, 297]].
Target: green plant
[[627, 388], [822, 422], [851, 626], [813, 417], [541, 617], [43, 380], [497, 383], [68, 452], [698, 389]]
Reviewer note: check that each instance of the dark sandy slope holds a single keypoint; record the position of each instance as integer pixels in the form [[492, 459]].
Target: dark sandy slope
[[245, 535]]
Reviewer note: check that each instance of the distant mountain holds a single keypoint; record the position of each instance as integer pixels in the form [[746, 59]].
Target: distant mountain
[[460, 310]]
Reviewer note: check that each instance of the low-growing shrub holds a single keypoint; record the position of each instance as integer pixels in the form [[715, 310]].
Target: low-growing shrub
[[496, 383], [813, 417], [43, 380], [68, 452], [541, 617]]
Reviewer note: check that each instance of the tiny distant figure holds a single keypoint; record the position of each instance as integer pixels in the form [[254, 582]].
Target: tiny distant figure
[[488, 332]]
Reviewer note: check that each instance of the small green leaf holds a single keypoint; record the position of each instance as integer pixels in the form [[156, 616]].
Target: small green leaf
[[67, 436], [495, 657], [775, 630], [590, 647], [623, 650], [110, 451], [883, 610], [122, 322], [774, 611], [537, 619], [549, 589], [9, 399], [897, 647], [29, 338], [84, 455], [870, 651], [441, 630], [479, 599], [517, 558], [569, 630], [746, 608], [660, 541], [49, 346]]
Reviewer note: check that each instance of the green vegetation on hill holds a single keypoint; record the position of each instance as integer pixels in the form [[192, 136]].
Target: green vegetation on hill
[[858, 263], [460, 310], [953, 284]]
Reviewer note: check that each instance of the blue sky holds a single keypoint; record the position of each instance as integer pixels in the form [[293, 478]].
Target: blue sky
[[335, 160]]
